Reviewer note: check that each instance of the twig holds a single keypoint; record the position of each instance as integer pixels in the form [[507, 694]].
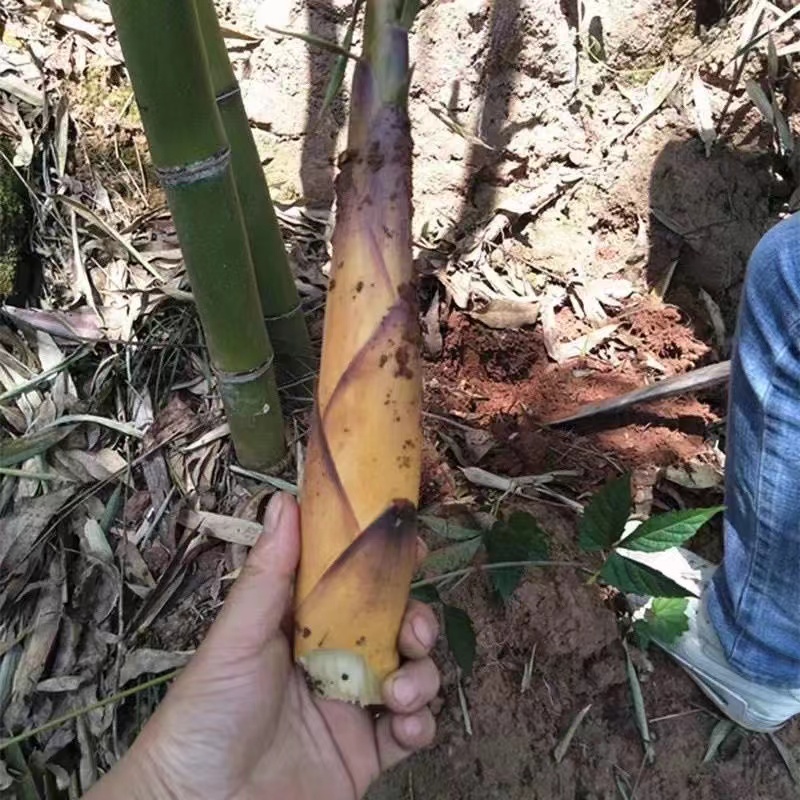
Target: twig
[[68, 717], [563, 745], [500, 565]]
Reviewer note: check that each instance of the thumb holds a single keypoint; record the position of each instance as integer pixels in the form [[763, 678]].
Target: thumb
[[258, 602]]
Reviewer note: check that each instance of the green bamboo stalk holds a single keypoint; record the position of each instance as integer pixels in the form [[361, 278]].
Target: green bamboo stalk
[[280, 302], [163, 50]]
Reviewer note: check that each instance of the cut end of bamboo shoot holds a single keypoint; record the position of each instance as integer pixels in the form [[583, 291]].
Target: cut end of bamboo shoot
[[342, 675]]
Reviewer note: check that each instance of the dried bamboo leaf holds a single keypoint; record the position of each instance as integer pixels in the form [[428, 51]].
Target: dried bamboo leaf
[[92, 218], [46, 619], [228, 529], [501, 313], [80, 324], [722, 730], [144, 661], [566, 741], [20, 530], [659, 88], [704, 116], [64, 683], [760, 100]]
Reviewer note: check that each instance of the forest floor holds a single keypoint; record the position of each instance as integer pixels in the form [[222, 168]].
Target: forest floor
[[588, 185]]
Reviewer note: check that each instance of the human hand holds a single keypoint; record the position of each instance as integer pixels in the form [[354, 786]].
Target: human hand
[[240, 721]]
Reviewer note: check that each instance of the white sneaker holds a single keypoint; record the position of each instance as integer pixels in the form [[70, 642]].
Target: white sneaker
[[699, 651]]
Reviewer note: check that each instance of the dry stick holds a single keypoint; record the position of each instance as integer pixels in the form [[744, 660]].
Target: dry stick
[[500, 565], [70, 715], [695, 381]]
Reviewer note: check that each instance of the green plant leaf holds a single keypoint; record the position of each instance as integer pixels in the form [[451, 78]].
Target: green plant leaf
[[460, 637], [409, 14], [631, 576], [426, 594], [519, 538], [447, 529], [340, 67], [669, 530], [314, 41], [452, 557], [15, 451], [603, 521], [664, 620]]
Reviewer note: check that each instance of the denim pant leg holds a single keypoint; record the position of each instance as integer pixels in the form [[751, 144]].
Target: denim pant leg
[[754, 600]]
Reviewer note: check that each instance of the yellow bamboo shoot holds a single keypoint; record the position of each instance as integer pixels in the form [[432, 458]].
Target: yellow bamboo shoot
[[361, 482]]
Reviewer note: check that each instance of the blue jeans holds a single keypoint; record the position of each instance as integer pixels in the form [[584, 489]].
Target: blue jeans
[[754, 599]]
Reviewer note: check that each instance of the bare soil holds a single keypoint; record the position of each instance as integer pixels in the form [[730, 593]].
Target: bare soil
[[530, 109]]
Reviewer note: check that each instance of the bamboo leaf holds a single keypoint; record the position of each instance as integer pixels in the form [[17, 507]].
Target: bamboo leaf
[[409, 13], [639, 710], [315, 41], [83, 211], [760, 100], [603, 521], [785, 135], [340, 67], [669, 530], [124, 428], [665, 620], [426, 594], [453, 556], [722, 730], [566, 739], [772, 59], [518, 539], [704, 116], [447, 529], [16, 451], [460, 637], [632, 577], [20, 529], [25, 784]]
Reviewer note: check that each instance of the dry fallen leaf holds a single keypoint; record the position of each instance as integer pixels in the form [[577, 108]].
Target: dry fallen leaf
[[228, 529], [502, 313], [146, 661], [45, 622], [564, 351], [20, 529], [704, 116]]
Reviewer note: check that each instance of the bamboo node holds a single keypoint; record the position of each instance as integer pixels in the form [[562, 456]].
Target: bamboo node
[[288, 315], [237, 378], [227, 94], [197, 171]]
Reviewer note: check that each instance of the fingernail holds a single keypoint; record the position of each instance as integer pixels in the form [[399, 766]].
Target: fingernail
[[274, 513], [425, 634], [404, 691]]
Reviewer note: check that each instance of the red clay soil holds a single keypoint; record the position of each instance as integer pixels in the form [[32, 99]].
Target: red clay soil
[[503, 382]]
